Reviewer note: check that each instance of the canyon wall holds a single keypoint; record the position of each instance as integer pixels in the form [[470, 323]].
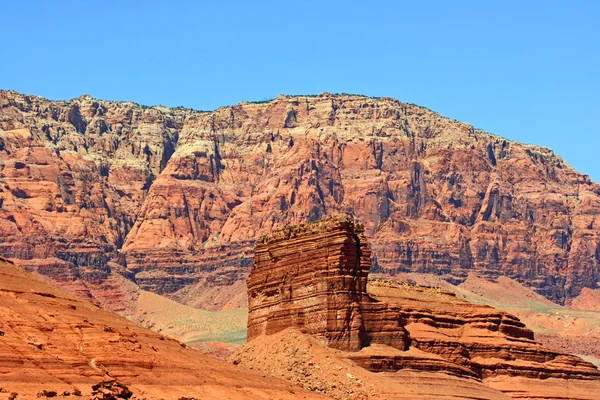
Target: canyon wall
[[173, 199]]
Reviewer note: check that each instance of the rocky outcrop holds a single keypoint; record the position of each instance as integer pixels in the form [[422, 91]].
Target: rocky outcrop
[[313, 278], [52, 343], [306, 361], [173, 199], [485, 341], [73, 176]]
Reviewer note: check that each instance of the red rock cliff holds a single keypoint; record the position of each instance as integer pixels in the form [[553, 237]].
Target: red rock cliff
[[174, 198], [314, 277]]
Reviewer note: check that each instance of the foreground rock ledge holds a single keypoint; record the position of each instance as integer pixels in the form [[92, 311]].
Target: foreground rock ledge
[[313, 278], [53, 344]]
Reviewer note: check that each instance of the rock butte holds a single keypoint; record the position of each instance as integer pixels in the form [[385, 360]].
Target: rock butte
[[173, 199], [313, 278], [51, 341]]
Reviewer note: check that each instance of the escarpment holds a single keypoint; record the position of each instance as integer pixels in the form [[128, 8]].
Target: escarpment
[[173, 199], [313, 278]]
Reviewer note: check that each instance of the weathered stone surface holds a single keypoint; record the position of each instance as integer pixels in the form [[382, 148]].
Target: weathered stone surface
[[313, 278], [55, 343], [110, 390], [482, 339], [177, 197]]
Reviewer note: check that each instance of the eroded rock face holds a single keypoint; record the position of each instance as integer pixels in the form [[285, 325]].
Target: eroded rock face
[[174, 199], [313, 278], [73, 176], [487, 342]]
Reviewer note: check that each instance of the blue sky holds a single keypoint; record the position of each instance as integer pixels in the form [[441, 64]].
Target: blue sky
[[526, 70]]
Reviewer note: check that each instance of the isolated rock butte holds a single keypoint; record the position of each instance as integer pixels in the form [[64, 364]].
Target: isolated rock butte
[[51, 341], [313, 278], [173, 199]]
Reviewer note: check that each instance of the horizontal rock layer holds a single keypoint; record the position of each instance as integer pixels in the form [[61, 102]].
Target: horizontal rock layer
[[482, 339], [174, 198], [306, 361], [313, 278]]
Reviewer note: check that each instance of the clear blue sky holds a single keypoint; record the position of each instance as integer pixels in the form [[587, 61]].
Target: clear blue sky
[[526, 70]]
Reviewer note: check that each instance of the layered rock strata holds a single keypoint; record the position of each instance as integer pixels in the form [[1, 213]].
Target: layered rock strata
[[313, 278], [52, 343], [486, 341], [173, 199]]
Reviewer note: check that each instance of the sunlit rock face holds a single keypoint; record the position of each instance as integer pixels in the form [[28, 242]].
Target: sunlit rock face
[[174, 199], [312, 279], [55, 344]]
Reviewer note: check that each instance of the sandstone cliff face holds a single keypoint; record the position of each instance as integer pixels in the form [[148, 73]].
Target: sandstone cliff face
[[51, 341], [313, 278], [174, 199], [73, 176]]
